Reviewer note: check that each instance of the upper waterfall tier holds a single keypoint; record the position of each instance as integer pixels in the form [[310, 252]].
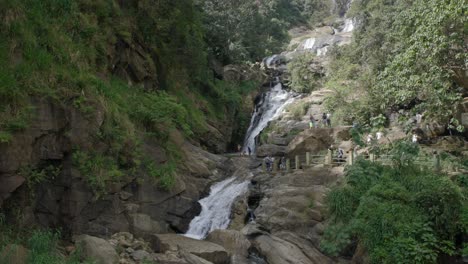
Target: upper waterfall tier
[[272, 103]]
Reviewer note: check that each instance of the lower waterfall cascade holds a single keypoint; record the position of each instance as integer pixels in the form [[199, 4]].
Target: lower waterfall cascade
[[216, 207]]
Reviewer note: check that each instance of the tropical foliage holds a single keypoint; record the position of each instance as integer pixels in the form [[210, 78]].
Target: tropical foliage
[[399, 213], [405, 55]]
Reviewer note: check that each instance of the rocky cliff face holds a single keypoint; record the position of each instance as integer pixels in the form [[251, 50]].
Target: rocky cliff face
[[39, 180], [66, 200]]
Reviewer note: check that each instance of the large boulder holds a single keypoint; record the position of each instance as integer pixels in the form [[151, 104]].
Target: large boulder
[[13, 253], [143, 224], [193, 259], [312, 140], [97, 249], [295, 201], [181, 257], [270, 149], [279, 251], [342, 133], [279, 140], [204, 249], [233, 241], [253, 230]]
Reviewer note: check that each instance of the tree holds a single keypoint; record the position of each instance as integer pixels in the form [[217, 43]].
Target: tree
[[410, 55]]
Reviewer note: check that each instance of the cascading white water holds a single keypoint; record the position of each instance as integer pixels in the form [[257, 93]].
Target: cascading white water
[[216, 208], [309, 44], [349, 25], [270, 107]]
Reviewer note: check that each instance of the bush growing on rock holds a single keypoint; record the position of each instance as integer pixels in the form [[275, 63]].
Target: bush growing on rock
[[299, 110], [42, 247], [305, 74]]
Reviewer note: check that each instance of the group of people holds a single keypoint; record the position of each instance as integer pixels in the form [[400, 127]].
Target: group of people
[[269, 162], [325, 122], [370, 137]]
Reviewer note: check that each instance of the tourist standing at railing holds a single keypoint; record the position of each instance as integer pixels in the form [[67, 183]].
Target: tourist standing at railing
[[415, 138], [419, 119], [340, 154], [282, 164], [324, 119], [269, 162], [328, 119], [312, 121], [378, 135]]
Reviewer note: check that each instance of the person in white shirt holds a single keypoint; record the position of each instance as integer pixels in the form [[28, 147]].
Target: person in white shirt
[[379, 135], [419, 118]]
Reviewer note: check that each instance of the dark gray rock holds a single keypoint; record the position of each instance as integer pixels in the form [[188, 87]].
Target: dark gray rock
[[204, 249], [97, 249]]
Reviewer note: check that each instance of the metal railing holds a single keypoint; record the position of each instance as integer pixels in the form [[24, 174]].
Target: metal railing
[[308, 160]]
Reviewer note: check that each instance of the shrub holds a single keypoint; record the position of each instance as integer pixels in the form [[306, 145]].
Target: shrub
[[299, 110], [35, 176], [43, 247], [400, 214], [304, 79], [5, 137], [162, 174], [97, 169]]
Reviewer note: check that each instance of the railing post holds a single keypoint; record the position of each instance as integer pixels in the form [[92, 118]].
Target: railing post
[[288, 165], [437, 162], [329, 157], [372, 157], [307, 158], [264, 167], [351, 157], [297, 162], [275, 165]]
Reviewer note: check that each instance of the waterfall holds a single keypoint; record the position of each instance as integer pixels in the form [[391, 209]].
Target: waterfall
[[309, 44], [270, 107], [349, 25], [216, 208]]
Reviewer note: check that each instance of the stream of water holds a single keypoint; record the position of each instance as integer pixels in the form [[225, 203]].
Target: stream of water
[[269, 108], [216, 208]]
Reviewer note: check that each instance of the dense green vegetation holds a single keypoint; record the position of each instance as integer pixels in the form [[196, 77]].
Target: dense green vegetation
[[247, 30], [304, 79], [43, 246], [405, 55], [399, 213], [63, 52]]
